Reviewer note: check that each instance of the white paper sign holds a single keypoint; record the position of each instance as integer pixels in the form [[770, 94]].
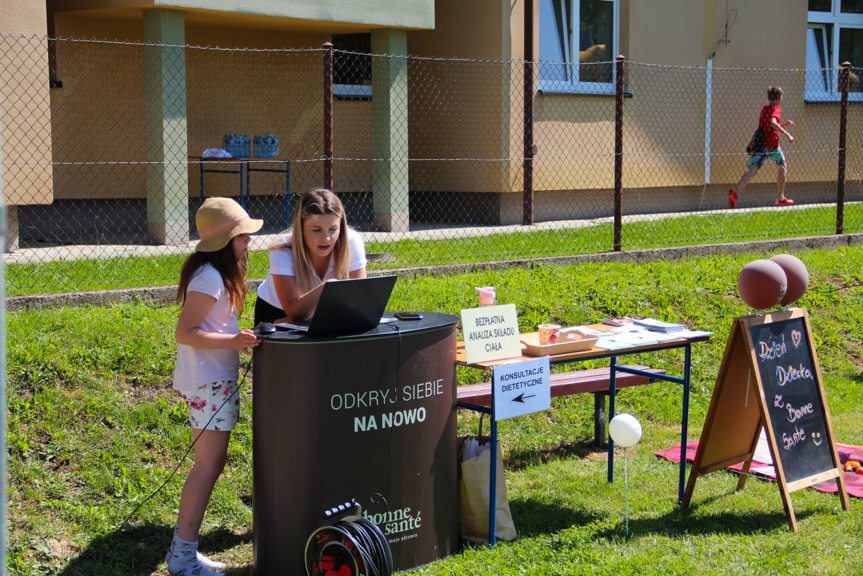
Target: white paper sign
[[490, 333], [521, 388]]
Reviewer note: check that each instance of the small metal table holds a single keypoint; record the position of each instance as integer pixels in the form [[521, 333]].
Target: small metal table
[[244, 167], [593, 354]]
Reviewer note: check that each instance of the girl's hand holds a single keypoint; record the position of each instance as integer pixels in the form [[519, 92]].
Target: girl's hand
[[245, 339], [788, 123]]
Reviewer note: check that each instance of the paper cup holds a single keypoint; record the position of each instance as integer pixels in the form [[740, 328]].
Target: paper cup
[[548, 334]]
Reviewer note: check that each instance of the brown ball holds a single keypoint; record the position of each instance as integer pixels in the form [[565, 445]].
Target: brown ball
[[762, 284], [796, 274]]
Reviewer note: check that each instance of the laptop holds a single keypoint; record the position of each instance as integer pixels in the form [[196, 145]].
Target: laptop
[[353, 305]]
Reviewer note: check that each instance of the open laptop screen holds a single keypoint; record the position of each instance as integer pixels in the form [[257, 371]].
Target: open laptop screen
[[353, 305]]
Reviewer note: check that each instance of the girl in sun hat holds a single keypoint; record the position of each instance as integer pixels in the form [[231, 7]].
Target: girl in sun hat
[[211, 294]]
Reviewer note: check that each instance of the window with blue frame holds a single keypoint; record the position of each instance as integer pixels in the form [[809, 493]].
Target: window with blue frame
[[834, 35], [578, 42]]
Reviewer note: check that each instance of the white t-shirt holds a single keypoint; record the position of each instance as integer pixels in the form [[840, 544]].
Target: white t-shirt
[[197, 366], [282, 264]]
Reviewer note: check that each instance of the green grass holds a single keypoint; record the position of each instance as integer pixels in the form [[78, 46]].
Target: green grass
[[93, 428], [77, 275]]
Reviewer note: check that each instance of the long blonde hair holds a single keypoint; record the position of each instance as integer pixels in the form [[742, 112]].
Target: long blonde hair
[[318, 201]]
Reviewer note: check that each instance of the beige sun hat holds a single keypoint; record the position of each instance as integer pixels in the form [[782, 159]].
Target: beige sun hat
[[219, 220]]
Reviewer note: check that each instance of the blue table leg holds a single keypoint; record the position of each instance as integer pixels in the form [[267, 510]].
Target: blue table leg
[[492, 495], [202, 182], [684, 423], [612, 390]]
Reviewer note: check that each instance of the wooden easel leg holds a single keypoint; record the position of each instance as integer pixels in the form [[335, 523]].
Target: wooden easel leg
[[789, 506], [690, 484], [843, 494]]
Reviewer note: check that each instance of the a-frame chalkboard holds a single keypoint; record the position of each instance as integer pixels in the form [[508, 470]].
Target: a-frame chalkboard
[[770, 377]]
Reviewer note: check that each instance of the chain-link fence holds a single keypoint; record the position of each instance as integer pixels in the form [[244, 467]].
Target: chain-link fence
[[109, 147]]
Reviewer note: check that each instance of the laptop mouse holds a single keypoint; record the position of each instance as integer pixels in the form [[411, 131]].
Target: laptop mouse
[[266, 328]]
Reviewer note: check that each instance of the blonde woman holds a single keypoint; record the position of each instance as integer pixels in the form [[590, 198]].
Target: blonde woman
[[318, 248]]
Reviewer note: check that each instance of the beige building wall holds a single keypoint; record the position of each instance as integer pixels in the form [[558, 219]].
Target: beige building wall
[[96, 119], [457, 108], [664, 131], [25, 105], [98, 114]]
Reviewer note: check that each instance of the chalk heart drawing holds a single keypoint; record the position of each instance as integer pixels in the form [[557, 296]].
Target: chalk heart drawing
[[796, 336]]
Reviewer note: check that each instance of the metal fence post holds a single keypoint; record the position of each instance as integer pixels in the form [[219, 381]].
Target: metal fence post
[[844, 70], [3, 391], [329, 178], [618, 156], [527, 214]]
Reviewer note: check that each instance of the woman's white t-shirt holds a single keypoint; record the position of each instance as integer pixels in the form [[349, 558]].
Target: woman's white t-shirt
[[282, 264], [197, 366]]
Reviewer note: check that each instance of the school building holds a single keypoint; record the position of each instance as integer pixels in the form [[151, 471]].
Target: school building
[[99, 121]]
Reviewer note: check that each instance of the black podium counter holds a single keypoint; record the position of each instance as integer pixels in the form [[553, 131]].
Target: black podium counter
[[370, 416]]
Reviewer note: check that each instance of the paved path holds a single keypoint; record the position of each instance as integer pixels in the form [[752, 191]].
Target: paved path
[[53, 253]]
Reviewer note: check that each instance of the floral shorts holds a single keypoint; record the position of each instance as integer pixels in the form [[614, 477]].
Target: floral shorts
[[775, 155], [214, 406]]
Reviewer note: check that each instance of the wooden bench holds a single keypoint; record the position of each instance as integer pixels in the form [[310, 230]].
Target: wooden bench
[[594, 381]]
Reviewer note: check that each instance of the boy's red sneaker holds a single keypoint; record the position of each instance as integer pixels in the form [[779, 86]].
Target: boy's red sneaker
[[732, 198], [784, 201]]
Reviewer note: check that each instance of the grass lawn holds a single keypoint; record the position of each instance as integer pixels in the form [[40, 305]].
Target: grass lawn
[[93, 429], [770, 223]]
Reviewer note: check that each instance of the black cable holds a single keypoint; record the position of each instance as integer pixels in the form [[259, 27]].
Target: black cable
[[192, 445], [360, 539]]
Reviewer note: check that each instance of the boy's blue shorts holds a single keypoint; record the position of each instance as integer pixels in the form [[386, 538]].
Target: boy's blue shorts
[[775, 155]]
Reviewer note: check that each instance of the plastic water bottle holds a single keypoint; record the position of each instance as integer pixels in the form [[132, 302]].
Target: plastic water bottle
[[486, 295]]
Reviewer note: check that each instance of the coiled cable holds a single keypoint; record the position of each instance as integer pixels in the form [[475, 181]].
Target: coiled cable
[[354, 546]]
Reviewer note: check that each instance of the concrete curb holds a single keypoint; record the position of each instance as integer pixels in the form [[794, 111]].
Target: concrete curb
[[167, 294]]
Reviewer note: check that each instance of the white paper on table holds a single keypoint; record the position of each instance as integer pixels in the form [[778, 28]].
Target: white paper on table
[[664, 337], [639, 338], [692, 334]]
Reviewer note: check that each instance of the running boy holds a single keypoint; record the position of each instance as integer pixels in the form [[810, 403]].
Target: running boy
[[769, 122]]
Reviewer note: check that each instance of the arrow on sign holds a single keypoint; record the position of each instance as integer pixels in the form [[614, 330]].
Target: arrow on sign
[[521, 398]]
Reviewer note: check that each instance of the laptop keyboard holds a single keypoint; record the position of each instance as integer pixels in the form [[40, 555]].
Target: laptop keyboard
[[286, 326]]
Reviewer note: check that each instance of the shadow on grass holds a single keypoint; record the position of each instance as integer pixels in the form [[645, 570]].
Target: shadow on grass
[[140, 550], [679, 522], [535, 518], [521, 459]]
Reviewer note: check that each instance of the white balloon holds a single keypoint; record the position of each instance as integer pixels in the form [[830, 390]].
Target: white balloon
[[625, 430]]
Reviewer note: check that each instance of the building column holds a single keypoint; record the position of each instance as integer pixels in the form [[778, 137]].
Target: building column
[[390, 130], [166, 136], [11, 233]]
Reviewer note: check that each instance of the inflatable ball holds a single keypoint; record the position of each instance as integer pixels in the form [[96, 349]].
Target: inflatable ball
[[796, 275], [762, 284]]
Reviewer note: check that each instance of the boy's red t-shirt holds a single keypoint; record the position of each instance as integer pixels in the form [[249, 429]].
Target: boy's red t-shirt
[[771, 134]]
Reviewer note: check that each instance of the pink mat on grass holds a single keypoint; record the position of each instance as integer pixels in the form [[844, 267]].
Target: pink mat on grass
[[853, 481]]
